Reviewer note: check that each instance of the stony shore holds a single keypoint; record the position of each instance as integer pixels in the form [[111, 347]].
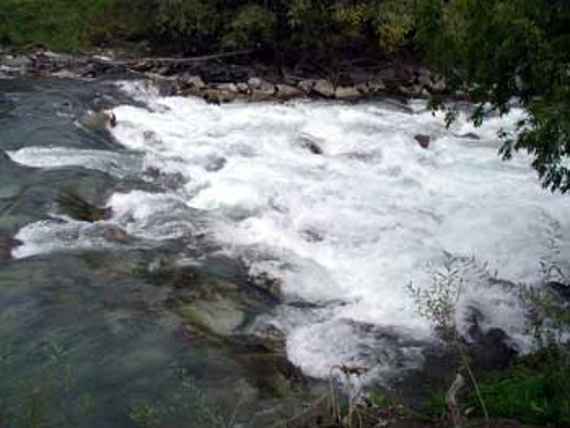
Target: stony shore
[[219, 81]]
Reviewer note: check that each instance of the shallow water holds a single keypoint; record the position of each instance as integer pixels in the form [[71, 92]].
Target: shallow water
[[344, 232]]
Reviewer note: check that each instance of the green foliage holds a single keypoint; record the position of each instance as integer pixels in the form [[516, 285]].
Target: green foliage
[[253, 25], [60, 24], [438, 302], [394, 21], [188, 22], [497, 50], [536, 391], [201, 26]]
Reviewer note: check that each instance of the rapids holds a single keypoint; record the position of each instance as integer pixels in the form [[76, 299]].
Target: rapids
[[344, 231]]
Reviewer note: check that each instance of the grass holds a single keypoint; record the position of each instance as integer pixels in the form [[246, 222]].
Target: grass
[[535, 391]]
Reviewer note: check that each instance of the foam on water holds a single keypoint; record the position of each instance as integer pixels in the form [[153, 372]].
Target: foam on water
[[113, 163], [347, 230]]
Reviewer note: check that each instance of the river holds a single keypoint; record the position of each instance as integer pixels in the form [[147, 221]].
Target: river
[[240, 193]]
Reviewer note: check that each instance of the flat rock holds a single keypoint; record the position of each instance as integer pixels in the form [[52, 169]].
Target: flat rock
[[347, 92]]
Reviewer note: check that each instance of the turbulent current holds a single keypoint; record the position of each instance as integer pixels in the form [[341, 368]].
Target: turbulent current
[[337, 202]]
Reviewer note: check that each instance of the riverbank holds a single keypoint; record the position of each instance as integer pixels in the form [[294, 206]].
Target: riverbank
[[235, 76]]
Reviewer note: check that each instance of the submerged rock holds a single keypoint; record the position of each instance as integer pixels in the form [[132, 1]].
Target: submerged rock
[[218, 312], [115, 234], [78, 208], [214, 307]]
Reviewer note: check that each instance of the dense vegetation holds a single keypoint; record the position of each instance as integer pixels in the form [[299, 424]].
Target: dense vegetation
[[208, 25], [499, 49]]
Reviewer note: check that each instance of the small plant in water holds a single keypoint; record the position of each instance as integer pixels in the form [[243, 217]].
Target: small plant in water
[[438, 304]]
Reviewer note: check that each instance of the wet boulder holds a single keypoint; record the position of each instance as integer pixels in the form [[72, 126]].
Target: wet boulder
[[215, 96], [7, 243], [324, 88], [423, 140], [561, 290], [311, 144], [215, 163], [490, 349], [470, 136]]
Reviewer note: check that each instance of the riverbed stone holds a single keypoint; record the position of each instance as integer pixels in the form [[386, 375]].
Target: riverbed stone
[[228, 87], [192, 81], [438, 86], [324, 88], [243, 87], [307, 85], [19, 61], [261, 86], [78, 208], [288, 92], [347, 92], [376, 86]]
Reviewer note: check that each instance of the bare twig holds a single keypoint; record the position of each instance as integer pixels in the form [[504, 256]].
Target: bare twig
[[171, 60]]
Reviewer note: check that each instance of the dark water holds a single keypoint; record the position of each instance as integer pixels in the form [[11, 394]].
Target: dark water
[[85, 339]]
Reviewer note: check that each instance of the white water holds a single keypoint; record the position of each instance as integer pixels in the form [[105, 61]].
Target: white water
[[346, 230]]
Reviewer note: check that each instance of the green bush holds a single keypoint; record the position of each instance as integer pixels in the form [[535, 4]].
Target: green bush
[[253, 25], [59, 24], [531, 393]]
